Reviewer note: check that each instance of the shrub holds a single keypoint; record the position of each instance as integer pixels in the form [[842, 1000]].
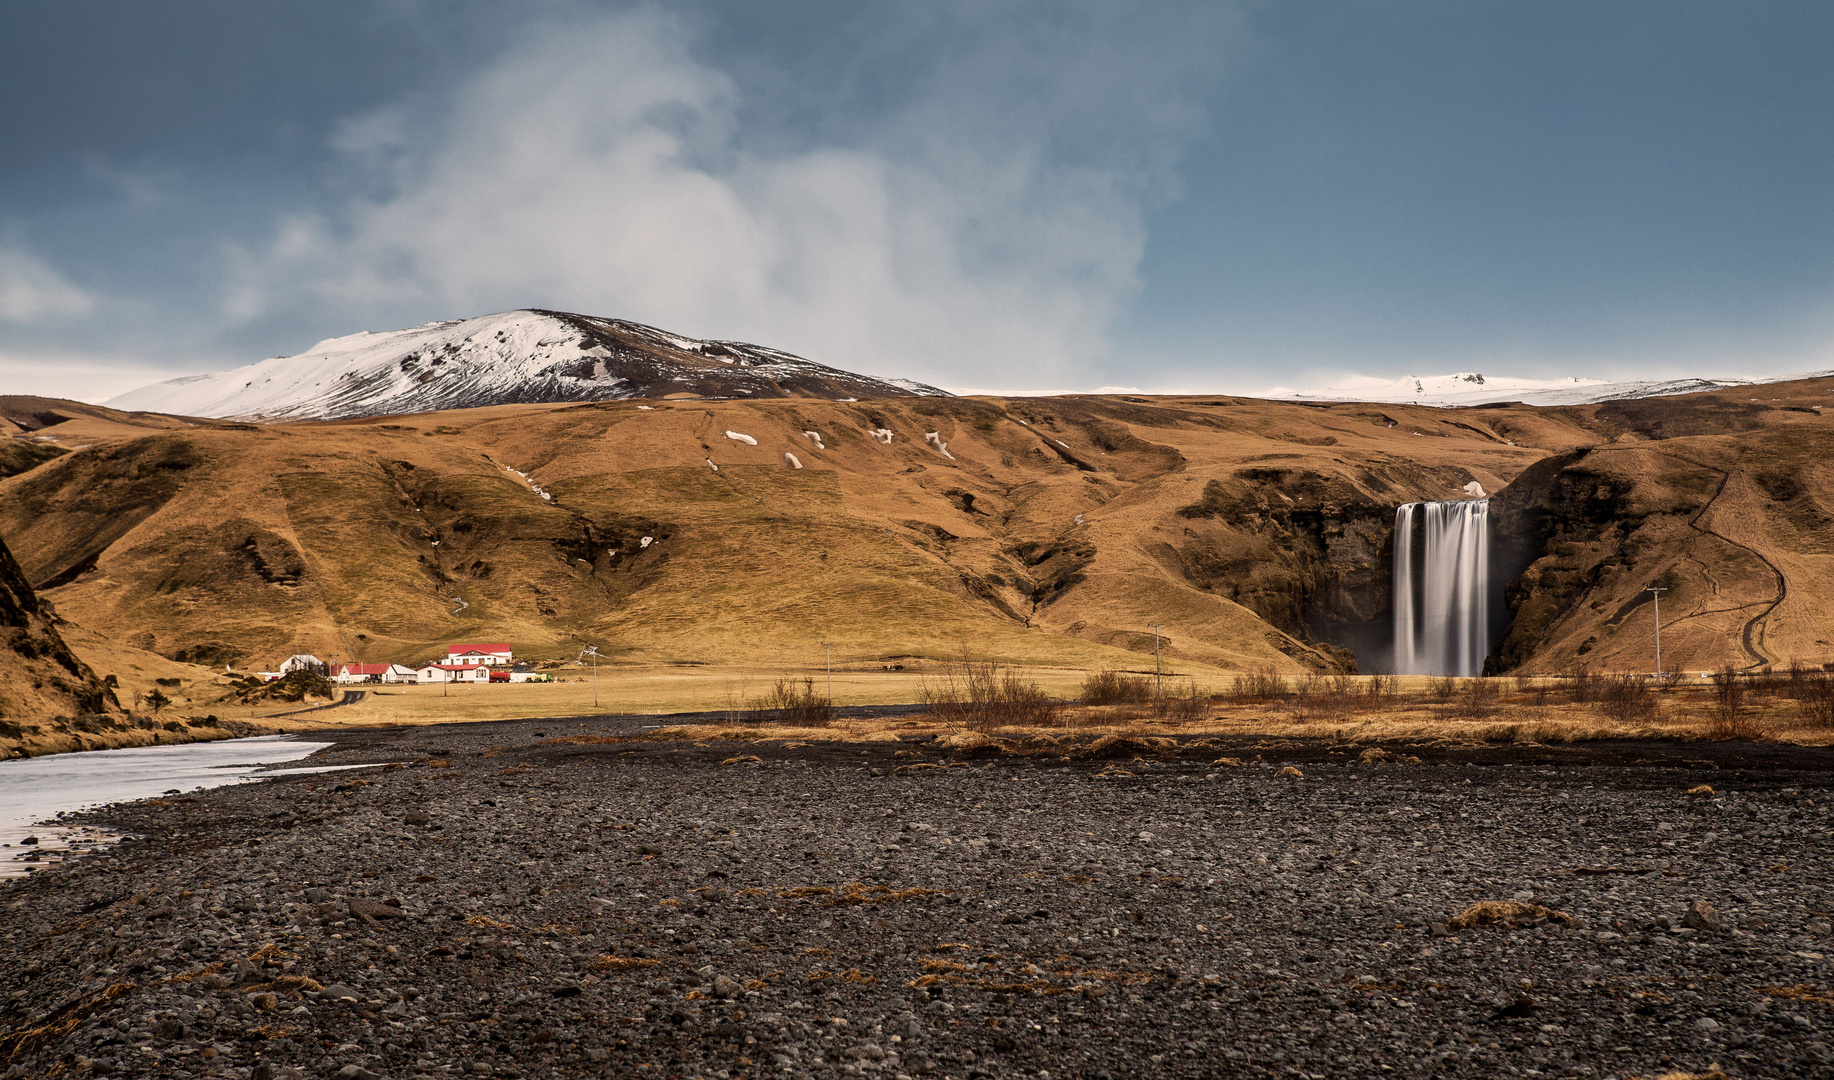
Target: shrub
[[1189, 705], [1478, 700], [1379, 686], [1584, 687], [1815, 699], [1626, 699], [1262, 684], [1441, 688], [1729, 693], [985, 696], [788, 702], [1116, 688]]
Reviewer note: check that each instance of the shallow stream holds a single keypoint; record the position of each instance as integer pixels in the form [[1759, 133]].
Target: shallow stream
[[35, 790]]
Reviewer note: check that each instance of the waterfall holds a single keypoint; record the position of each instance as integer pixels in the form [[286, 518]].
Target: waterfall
[[1442, 608]]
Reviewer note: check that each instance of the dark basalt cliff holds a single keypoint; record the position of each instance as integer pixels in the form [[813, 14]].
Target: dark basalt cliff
[[42, 674]]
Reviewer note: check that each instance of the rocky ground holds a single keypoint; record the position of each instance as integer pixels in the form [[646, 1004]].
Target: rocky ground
[[507, 905]]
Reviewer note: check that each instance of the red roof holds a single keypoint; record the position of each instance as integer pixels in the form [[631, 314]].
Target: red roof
[[362, 669], [457, 667], [492, 647]]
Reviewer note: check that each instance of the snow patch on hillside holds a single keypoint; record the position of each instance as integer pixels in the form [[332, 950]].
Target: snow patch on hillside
[[1473, 388]]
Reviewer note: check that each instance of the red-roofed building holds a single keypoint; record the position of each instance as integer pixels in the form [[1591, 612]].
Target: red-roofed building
[[359, 673], [488, 653]]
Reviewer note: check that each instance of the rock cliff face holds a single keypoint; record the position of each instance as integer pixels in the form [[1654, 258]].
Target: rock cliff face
[[43, 678], [1734, 529]]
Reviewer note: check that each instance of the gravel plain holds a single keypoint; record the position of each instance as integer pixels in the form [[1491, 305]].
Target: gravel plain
[[499, 903]]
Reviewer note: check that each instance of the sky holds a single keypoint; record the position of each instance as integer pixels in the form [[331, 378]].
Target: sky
[[980, 194]]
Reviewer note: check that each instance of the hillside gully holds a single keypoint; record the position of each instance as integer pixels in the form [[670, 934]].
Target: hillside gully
[[535, 899]]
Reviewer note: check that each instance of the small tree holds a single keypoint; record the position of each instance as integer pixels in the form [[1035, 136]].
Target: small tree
[[157, 701]]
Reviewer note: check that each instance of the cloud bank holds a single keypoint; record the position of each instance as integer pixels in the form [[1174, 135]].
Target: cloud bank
[[990, 213], [31, 291]]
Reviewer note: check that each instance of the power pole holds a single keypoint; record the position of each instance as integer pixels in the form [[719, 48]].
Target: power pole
[[593, 651], [1656, 595], [1158, 674], [828, 648]]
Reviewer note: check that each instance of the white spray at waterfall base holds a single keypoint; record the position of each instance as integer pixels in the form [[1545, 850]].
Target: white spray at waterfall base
[[1442, 601]]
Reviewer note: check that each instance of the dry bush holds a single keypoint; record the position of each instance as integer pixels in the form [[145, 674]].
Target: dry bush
[[1116, 688], [1478, 699], [1189, 705], [1379, 687], [1584, 687], [1262, 684], [1626, 699], [1729, 695], [1815, 699], [797, 705], [1441, 689], [986, 696]]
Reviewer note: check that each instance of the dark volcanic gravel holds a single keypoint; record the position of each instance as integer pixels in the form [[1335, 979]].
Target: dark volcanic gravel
[[640, 909]]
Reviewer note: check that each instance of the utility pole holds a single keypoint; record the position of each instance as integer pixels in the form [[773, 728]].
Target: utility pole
[[828, 648], [1656, 595], [593, 651], [1158, 674]]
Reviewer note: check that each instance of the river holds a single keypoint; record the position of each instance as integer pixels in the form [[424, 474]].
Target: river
[[34, 790]]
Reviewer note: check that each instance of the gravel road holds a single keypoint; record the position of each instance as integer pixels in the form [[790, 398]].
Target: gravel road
[[503, 904]]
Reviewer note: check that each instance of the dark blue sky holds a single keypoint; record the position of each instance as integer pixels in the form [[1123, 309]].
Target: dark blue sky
[[997, 195]]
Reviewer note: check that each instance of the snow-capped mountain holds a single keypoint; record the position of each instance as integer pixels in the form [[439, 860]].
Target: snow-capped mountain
[[516, 357], [1468, 388]]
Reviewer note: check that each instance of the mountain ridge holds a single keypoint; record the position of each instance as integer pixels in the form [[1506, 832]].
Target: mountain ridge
[[519, 357]]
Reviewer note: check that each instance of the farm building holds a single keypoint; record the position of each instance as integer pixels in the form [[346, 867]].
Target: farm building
[[459, 673], [360, 673], [494, 653], [304, 662]]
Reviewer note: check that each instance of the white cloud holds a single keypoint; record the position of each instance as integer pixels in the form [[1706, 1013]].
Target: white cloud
[[600, 167], [31, 291], [76, 378]]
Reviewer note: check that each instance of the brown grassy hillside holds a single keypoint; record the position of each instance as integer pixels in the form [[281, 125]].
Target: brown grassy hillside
[[1050, 531]]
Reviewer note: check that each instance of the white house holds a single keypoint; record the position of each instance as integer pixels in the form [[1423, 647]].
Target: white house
[[490, 654], [303, 662], [400, 673], [459, 673]]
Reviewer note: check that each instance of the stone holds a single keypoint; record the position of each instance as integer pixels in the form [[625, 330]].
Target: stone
[[417, 817], [356, 1072], [338, 992], [1707, 1024], [1701, 916], [317, 896], [170, 1030], [725, 988]]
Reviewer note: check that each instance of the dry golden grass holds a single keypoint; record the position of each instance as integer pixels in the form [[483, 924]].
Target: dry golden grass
[[894, 551], [1507, 912]]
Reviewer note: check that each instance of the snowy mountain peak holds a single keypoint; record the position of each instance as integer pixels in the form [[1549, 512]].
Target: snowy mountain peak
[[515, 357], [1471, 388]]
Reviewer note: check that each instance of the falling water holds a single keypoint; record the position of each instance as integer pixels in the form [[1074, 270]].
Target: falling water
[[1442, 610]]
